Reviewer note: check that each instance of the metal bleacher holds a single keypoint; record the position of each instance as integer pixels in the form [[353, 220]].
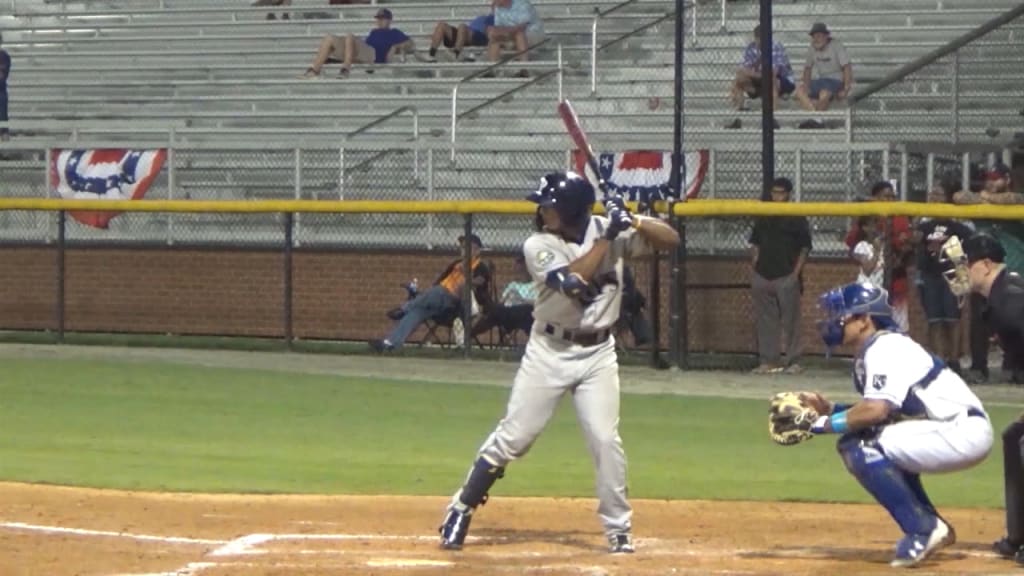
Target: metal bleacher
[[216, 80]]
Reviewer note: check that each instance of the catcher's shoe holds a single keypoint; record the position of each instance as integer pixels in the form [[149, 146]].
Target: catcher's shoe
[[621, 543], [915, 548], [454, 529]]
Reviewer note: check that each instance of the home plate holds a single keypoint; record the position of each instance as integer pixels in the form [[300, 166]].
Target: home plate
[[405, 563]]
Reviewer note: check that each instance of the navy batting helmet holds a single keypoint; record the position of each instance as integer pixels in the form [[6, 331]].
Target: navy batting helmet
[[853, 299], [571, 195]]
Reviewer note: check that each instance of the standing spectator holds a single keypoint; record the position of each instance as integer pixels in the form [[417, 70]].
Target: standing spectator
[[869, 252], [472, 33], [941, 306], [443, 297], [827, 76], [779, 247], [271, 15], [516, 21], [748, 76], [897, 242], [5, 72], [1010, 234], [380, 46]]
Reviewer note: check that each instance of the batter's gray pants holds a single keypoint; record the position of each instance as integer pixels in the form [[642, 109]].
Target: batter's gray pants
[[777, 316], [552, 368]]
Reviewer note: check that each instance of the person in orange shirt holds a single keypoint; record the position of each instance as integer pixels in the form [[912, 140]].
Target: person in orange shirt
[[444, 296]]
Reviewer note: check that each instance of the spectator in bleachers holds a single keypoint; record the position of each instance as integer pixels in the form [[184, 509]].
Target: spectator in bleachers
[[5, 71], [515, 21], [897, 251], [748, 76], [455, 38], [380, 46], [827, 76], [271, 15], [443, 297], [779, 246], [941, 306]]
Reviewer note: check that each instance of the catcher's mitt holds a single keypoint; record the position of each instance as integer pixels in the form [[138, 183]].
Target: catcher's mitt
[[790, 419]]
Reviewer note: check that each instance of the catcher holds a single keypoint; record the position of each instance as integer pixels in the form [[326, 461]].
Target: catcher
[[916, 416]]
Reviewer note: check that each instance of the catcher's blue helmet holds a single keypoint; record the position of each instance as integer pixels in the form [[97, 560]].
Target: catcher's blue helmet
[[853, 299], [571, 195]]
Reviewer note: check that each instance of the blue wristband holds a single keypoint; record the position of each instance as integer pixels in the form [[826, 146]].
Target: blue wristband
[[838, 422]]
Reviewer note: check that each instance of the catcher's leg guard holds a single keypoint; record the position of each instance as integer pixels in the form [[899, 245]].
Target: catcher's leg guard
[[473, 493], [887, 483]]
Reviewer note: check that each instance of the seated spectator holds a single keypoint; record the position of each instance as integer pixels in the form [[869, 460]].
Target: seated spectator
[[271, 15], [897, 248], [380, 46], [748, 76], [444, 297], [514, 21], [515, 311], [828, 74], [941, 307], [455, 38]]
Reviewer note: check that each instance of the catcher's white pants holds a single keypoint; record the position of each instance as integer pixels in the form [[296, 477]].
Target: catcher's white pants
[[931, 446]]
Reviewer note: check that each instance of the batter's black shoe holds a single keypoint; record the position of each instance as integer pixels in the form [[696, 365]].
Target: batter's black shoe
[[621, 543], [454, 530], [1007, 549]]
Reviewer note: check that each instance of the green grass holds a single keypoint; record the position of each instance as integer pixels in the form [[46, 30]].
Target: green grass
[[172, 427]]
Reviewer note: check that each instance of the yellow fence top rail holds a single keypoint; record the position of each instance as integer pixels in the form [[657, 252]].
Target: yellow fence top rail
[[695, 208]]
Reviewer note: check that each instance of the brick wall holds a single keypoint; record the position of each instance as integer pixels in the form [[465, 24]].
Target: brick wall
[[337, 295]]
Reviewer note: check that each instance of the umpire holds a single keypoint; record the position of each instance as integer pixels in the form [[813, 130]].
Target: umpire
[[1003, 292]]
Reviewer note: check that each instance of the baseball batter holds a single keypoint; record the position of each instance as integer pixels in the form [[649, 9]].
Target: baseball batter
[[916, 416], [576, 259]]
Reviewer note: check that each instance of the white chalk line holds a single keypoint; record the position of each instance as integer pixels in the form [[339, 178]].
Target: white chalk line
[[107, 533]]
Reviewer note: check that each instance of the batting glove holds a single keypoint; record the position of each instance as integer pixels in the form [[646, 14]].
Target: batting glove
[[613, 202], [618, 220]]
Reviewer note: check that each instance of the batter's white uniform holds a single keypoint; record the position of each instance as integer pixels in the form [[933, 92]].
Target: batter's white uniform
[[948, 429], [572, 349]]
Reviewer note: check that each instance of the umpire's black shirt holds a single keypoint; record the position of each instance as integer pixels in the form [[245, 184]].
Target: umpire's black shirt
[[1004, 313]]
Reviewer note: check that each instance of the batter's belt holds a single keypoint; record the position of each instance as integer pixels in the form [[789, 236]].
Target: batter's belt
[[578, 337]]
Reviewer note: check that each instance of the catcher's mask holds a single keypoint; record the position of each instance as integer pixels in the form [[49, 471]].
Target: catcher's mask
[[840, 304]]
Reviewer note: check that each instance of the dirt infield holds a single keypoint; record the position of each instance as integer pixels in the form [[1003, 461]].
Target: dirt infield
[[72, 531]]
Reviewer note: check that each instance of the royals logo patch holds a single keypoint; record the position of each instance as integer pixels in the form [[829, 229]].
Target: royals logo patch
[[878, 381]]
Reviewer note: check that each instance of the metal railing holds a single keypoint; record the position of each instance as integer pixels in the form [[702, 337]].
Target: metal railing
[[381, 153], [598, 15], [595, 48], [953, 48], [456, 116]]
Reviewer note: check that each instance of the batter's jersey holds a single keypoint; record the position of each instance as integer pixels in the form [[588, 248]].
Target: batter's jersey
[[545, 252], [895, 368]]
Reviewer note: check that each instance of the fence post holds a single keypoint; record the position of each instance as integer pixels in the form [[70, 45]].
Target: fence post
[[955, 108], [171, 183], [467, 285], [289, 224], [61, 247]]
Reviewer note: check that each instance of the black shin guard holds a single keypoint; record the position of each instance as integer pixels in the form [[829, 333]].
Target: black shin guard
[[480, 479]]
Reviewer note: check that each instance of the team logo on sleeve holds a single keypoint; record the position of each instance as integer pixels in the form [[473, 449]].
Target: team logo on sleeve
[[878, 381], [545, 257]]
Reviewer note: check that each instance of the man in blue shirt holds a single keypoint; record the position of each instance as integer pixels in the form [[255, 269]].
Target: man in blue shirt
[[379, 46], [748, 75], [514, 21], [472, 33], [5, 71]]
